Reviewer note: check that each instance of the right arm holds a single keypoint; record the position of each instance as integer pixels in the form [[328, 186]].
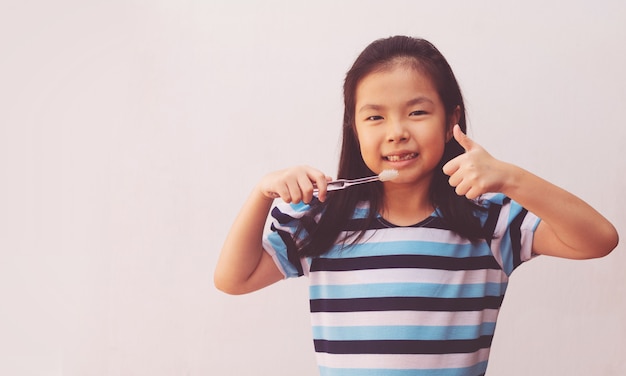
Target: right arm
[[243, 265]]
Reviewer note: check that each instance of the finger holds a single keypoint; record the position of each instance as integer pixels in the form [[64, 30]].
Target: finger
[[295, 193], [464, 188], [460, 137], [471, 189], [305, 184], [452, 166], [473, 194], [281, 191], [321, 182], [455, 180]]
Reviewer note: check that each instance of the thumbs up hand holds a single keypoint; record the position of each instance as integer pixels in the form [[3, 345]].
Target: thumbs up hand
[[475, 172]]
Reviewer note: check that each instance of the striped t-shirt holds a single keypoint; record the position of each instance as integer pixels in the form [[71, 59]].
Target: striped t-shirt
[[414, 300]]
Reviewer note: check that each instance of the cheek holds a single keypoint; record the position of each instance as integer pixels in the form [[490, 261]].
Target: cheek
[[434, 143], [441, 148], [369, 150]]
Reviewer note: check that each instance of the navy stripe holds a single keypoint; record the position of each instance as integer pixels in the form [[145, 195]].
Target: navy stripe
[[281, 217], [292, 249], [516, 238], [492, 221], [403, 346], [405, 261], [358, 224], [406, 304], [435, 222]]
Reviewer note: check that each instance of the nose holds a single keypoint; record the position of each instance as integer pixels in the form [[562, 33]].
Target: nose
[[397, 131]]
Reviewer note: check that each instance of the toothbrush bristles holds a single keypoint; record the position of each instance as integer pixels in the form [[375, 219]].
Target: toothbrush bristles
[[387, 175]]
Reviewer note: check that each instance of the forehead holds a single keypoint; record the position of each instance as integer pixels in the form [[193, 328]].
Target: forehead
[[399, 82]]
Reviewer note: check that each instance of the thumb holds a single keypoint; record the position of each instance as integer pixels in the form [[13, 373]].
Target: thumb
[[460, 137]]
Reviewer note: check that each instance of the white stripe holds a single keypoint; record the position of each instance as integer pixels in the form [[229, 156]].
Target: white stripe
[[306, 265], [498, 233], [267, 247], [457, 277], [393, 318], [402, 361], [294, 211], [528, 233]]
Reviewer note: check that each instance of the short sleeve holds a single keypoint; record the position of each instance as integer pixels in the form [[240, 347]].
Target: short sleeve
[[280, 241], [513, 231]]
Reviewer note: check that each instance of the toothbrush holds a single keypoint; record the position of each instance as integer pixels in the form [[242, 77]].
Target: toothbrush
[[335, 185]]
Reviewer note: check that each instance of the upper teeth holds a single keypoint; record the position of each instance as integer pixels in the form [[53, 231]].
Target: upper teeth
[[404, 157]]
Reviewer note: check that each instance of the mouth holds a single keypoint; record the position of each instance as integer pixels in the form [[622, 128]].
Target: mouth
[[400, 157]]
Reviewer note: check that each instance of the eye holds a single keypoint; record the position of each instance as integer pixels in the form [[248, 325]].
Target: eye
[[418, 113], [374, 118]]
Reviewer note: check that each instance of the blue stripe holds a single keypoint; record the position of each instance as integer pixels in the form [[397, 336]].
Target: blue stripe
[[361, 213], [409, 247], [477, 369], [379, 290], [300, 207], [506, 247], [281, 253], [365, 333]]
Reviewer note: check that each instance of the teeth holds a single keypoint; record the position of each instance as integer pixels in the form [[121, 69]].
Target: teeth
[[404, 157]]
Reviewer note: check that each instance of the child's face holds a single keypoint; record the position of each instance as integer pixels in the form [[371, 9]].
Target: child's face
[[401, 124]]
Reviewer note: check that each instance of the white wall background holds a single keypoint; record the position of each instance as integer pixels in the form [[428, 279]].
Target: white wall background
[[132, 131]]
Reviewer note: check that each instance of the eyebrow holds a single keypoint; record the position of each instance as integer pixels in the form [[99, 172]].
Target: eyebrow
[[412, 102], [419, 100]]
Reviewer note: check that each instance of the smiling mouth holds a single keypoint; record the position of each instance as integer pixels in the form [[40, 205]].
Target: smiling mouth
[[398, 158]]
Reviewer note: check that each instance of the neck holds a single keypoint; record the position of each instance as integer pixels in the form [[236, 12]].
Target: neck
[[406, 204]]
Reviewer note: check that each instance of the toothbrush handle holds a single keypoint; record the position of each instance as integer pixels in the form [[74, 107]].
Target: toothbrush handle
[[338, 184], [334, 186], [345, 183]]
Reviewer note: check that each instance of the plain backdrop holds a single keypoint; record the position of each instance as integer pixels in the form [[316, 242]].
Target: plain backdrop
[[132, 131]]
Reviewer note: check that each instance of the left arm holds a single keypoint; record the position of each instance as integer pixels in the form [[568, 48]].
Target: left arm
[[569, 227]]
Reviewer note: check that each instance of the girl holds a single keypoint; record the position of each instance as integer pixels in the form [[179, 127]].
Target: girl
[[406, 276]]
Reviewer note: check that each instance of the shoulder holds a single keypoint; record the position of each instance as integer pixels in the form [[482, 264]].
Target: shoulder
[[503, 214], [493, 204]]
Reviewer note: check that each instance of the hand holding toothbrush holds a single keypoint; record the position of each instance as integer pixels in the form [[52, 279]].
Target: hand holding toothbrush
[[300, 183], [295, 184]]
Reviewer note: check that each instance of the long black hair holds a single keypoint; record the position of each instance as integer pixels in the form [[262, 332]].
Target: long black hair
[[456, 211]]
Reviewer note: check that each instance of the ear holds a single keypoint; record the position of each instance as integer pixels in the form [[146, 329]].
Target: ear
[[452, 121]]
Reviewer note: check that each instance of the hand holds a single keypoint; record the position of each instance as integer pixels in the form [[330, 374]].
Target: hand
[[295, 184], [475, 172]]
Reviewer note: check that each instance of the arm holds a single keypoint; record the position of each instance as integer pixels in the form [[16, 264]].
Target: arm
[[243, 265], [569, 227]]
